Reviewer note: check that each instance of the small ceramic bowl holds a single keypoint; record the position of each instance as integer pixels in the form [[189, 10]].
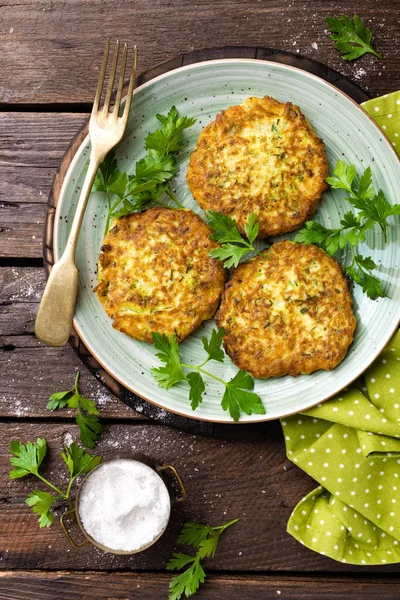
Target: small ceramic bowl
[[74, 513]]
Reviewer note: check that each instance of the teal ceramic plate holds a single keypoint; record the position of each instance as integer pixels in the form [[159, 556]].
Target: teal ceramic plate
[[202, 90]]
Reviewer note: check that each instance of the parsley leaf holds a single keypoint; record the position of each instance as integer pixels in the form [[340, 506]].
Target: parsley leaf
[[372, 286], [179, 560], [213, 345], [193, 534], [224, 228], [365, 187], [351, 37], [236, 398], [27, 459], [203, 537], [229, 253], [118, 186], [251, 228], [315, 233], [107, 174], [41, 502], [187, 582], [377, 209], [373, 209], [90, 429], [197, 388], [233, 245], [78, 461], [86, 416], [168, 139], [58, 400], [343, 177], [172, 373]]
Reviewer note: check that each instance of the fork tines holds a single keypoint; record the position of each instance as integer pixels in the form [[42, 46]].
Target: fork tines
[[111, 79]]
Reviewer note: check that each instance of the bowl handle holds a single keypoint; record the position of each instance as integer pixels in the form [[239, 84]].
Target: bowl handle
[[179, 480], [67, 534]]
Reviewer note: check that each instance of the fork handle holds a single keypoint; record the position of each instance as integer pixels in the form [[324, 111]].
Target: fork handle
[[54, 318]]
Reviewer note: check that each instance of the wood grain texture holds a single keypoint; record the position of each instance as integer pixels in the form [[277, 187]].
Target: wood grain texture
[[51, 51], [31, 148], [20, 585], [32, 371], [252, 481]]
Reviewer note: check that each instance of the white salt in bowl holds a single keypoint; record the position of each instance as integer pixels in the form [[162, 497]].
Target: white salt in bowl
[[123, 506]]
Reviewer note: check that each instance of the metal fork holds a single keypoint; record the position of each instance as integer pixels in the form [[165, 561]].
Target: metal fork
[[106, 128]]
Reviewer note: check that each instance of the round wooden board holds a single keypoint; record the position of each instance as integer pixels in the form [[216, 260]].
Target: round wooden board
[[128, 397]]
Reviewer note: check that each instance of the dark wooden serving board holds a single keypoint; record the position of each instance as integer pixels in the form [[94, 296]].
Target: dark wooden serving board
[[149, 410]]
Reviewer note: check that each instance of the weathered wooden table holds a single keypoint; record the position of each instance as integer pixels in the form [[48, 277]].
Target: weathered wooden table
[[50, 53]]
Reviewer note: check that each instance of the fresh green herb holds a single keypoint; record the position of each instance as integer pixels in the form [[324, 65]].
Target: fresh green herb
[[153, 173], [27, 460], [86, 412], [237, 397], [205, 539], [373, 209], [233, 245], [351, 37]]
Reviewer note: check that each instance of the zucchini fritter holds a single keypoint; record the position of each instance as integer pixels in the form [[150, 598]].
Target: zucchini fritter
[[288, 311], [155, 274], [262, 157]]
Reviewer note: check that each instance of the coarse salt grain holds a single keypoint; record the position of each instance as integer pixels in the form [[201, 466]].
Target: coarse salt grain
[[124, 505]]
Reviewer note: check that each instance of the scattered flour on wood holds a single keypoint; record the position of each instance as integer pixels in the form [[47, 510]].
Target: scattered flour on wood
[[68, 439], [359, 73], [20, 409], [124, 505]]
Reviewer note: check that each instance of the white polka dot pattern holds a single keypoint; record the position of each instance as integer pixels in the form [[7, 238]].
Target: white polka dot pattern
[[358, 516]]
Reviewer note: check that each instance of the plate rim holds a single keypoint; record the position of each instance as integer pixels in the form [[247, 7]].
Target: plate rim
[[66, 181]]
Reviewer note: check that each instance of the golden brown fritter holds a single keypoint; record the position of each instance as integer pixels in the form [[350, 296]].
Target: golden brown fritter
[[262, 157], [287, 311], [155, 274]]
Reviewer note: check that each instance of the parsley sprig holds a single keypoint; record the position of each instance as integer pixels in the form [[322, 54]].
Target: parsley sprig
[[153, 173], [233, 245], [86, 412], [237, 397], [27, 459], [351, 37], [205, 539], [373, 209]]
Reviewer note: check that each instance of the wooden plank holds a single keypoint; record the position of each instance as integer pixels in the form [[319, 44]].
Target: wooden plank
[[52, 54], [19, 585], [32, 371], [21, 230], [252, 481], [31, 148]]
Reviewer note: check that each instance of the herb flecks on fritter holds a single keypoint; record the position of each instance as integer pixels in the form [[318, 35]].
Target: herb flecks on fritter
[[155, 274], [287, 311]]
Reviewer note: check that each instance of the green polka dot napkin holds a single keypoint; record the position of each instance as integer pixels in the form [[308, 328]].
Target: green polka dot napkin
[[386, 112], [351, 446]]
